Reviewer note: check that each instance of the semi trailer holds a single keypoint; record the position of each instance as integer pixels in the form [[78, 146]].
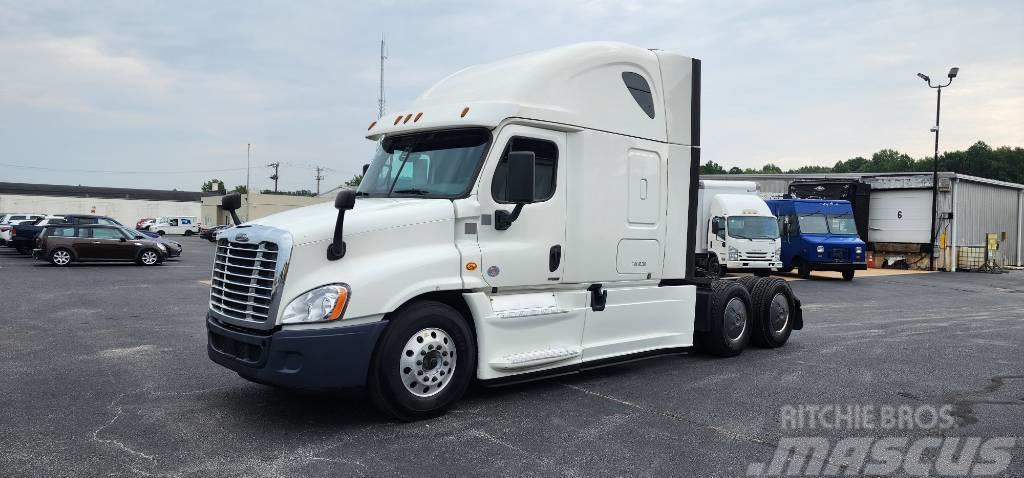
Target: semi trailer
[[524, 218], [737, 231]]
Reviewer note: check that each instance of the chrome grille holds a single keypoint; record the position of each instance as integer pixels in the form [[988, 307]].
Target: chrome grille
[[242, 286]]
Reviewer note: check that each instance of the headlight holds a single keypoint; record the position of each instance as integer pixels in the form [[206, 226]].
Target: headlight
[[820, 249], [322, 304], [778, 249], [161, 247], [858, 250], [734, 254]]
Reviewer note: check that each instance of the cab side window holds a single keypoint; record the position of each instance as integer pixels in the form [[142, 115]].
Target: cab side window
[[172, 222], [547, 167]]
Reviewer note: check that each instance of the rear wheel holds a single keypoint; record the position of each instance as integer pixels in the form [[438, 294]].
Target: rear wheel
[[60, 257], [188, 233], [149, 257], [160, 232], [772, 309], [729, 326], [423, 363], [848, 275], [714, 268]]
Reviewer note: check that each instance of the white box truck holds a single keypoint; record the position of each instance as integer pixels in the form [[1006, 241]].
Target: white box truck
[[736, 230], [522, 218]]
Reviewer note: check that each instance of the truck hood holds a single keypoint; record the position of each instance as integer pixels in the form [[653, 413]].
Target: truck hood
[[316, 223]]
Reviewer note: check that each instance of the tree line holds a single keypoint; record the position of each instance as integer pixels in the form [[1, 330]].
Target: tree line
[[1004, 163]]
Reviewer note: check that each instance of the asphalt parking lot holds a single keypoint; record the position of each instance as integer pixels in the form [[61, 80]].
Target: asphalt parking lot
[[103, 371]]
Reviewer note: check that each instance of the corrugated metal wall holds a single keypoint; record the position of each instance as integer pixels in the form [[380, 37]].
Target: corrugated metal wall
[[983, 208]]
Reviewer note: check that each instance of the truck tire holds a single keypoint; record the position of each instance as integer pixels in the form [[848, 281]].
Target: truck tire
[[423, 363], [188, 233], [714, 268], [848, 275], [773, 308], [804, 270], [729, 324]]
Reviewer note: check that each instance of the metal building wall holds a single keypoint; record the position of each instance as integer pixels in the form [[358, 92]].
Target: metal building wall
[[983, 208]]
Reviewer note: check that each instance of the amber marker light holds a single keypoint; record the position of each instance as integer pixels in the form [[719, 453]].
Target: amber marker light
[[465, 111], [399, 118], [471, 266], [407, 118], [339, 305], [417, 118], [368, 128]]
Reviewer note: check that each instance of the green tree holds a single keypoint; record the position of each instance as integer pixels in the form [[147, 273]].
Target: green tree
[[771, 169], [735, 170], [354, 182], [213, 185], [240, 189]]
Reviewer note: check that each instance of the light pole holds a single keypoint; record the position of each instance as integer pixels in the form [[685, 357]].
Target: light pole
[[935, 162]]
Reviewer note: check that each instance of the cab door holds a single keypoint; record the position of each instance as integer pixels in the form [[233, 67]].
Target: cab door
[[530, 251]]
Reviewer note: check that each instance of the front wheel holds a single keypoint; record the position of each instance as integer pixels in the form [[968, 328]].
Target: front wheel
[[188, 233], [848, 275], [60, 257], [149, 257], [423, 363]]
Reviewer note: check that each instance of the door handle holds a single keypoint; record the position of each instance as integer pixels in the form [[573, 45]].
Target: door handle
[[97, 242], [554, 258]]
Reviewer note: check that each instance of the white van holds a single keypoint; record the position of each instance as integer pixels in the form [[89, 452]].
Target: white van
[[525, 217], [737, 231], [184, 225]]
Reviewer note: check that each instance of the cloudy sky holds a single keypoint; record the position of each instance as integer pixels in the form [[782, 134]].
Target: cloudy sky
[[176, 89]]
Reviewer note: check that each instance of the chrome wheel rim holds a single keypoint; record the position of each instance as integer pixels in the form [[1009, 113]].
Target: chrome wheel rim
[[428, 362], [735, 318], [61, 258], [149, 258], [779, 312]]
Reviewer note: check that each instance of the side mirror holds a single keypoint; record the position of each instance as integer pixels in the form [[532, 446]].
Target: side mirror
[[345, 200], [231, 203], [520, 181], [715, 227]]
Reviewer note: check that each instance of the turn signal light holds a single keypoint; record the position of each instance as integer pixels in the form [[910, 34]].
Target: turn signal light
[[471, 266], [465, 111], [339, 305], [368, 128], [417, 118]]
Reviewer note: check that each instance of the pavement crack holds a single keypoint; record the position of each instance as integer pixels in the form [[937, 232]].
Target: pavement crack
[[118, 411]]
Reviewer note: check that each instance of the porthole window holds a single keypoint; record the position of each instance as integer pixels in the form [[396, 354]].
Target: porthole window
[[641, 91]]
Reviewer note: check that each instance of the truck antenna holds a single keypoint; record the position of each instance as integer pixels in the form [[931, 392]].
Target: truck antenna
[[380, 99]]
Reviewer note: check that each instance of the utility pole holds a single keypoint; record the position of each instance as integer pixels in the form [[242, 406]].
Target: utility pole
[[275, 176], [380, 99], [248, 155], [319, 177], [935, 162]]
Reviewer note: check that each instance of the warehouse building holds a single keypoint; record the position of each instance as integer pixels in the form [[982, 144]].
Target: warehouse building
[[977, 219], [261, 205], [125, 205]]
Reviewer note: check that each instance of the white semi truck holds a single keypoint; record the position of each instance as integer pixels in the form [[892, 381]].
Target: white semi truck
[[522, 218], [736, 229]]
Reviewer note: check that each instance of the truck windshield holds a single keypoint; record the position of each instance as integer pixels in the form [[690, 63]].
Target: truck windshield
[[842, 224], [438, 164], [753, 227], [813, 224]]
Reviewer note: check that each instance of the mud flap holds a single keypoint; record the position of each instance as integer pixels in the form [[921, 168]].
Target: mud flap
[[798, 314]]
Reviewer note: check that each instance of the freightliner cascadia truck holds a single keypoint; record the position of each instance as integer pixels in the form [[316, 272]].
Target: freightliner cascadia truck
[[523, 218]]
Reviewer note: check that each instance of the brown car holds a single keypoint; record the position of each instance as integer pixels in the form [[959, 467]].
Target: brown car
[[62, 244]]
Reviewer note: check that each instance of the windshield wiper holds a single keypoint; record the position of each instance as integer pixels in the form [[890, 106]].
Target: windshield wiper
[[418, 192]]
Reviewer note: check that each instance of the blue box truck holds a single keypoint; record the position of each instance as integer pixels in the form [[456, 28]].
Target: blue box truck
[[819, 235]]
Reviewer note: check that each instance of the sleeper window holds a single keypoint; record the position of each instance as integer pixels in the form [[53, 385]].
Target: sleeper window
[[546, 153]]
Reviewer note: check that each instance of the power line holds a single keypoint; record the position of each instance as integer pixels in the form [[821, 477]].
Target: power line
[[105, 171]]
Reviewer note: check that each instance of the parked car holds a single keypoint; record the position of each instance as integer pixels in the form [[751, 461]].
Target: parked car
[[210, 233], [174, 248], [144, 223], [23, 235], [63, 244], [7, 221], [184, 225]]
